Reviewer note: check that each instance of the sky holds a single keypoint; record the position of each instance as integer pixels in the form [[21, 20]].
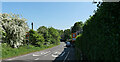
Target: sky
[[60, 15], [51, 0]]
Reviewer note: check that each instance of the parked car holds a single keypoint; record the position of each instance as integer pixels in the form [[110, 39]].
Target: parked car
[[68, 44]]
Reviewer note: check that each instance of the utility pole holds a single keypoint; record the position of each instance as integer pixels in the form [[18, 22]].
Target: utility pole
[[32, 25]]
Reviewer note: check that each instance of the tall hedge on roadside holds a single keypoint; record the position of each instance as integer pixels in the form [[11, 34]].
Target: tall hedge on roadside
[[101, 34]]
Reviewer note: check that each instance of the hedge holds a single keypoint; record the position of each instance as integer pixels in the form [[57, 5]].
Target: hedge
[[100, 39]]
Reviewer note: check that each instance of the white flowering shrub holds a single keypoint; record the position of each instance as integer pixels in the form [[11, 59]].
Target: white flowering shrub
[[15, 29], [1, 26]]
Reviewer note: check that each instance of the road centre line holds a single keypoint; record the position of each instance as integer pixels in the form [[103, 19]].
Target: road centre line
[[66, 56]]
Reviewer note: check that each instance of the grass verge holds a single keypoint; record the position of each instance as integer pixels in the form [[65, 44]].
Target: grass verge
[[8, 52]]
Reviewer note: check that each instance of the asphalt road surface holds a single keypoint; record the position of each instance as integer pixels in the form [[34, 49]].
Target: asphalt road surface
[[59, 53]]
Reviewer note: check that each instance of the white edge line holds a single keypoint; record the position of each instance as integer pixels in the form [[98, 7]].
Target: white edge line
[[63, 53], [18, 57]]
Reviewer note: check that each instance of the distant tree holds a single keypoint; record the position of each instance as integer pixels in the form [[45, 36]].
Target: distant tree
[[77, 27], [54, 34], [36, 39], [67, 34], [61, 33], [44, 31]]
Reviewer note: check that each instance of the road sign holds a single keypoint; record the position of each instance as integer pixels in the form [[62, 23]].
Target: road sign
[[27, 35], [73, 39], [74, 36]]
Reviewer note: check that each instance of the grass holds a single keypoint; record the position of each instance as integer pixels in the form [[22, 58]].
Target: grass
[[8, 52]]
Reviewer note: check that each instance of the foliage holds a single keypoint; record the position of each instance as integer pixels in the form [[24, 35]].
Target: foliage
[[44, 31], [50, 35], [67, 34], [15, 29], [101, 35], [35, 38], [61, 32], [54, 35], [77, 27]]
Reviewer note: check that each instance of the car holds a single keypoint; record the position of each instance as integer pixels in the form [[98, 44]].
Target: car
[[68, 44]]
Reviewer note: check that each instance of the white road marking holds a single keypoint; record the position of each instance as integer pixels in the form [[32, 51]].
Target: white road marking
[[48, 54], [66, 56], [63, 53], [9, 59], [55, 54], [41, 52], [35, 55], [30, 54], [37, 59]]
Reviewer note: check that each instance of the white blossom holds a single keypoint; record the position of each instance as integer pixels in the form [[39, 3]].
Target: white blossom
[[15, 28]]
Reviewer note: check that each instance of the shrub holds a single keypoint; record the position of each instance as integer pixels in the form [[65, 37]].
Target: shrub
[[15, 29]]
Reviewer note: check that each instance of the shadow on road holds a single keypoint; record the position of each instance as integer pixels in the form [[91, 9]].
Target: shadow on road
[[68, 55]]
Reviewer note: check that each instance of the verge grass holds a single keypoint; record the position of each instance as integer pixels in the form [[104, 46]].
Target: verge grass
[[8, 52]]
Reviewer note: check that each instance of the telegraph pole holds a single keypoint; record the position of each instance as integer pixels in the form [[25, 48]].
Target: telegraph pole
[[32, 25]]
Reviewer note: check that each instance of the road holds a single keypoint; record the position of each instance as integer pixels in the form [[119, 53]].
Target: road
[[59, 53]]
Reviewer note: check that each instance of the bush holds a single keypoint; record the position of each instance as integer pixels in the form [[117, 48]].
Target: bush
[[15, 29]]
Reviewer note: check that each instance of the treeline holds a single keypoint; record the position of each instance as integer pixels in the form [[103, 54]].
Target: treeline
[[13, 30], [100, 39], [44, 36], [67, 33]]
